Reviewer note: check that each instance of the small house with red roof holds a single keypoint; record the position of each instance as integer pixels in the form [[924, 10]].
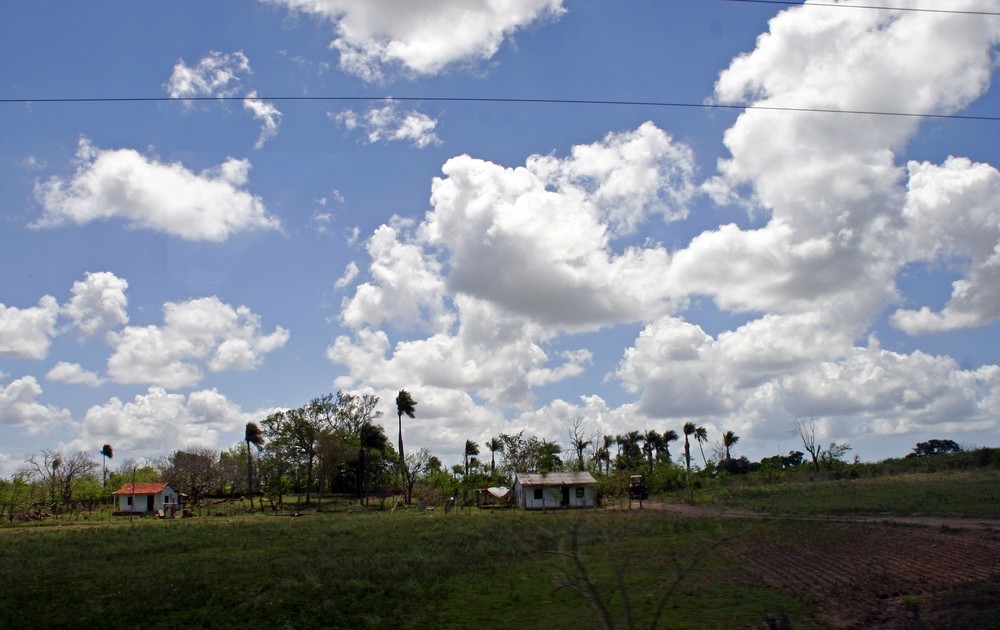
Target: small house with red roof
[[146, 498]]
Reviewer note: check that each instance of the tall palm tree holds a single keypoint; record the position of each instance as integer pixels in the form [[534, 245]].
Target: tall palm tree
[[252, 435], [651, 442], [729, 439], [471, 450], [609, 440], [630, 444], [701, 435], [496, 446], [666, 438], [602, 455], [405, 405], [106, 453], [689, 429]]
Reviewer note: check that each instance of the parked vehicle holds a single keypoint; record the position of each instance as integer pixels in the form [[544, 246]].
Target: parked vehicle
[[637, 490]]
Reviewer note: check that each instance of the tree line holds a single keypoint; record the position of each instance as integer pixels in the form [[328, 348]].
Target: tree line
[[335, 445]]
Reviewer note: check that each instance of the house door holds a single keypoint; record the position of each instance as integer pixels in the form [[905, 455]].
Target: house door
[[149, 503], [565, 496]]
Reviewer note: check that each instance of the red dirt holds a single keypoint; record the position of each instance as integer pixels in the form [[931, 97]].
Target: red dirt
[[871, 571]]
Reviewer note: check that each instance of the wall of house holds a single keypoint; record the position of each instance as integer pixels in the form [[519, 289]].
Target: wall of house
[[168, 496], [551, 497]]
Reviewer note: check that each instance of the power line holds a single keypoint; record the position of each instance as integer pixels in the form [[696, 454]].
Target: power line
[[865, 6], [469, 99]]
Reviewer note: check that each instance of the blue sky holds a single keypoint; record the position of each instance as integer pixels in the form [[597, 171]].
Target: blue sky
[[175, 268]]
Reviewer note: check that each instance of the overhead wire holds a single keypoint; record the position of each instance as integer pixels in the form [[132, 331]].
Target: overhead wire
[[563, 101], [839, 5], [491, 99]]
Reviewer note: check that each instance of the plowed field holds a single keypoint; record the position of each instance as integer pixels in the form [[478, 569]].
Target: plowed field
[[868, 573]]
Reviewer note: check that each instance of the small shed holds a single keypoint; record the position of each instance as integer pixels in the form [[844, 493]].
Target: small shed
[[146, 498], [537, 491]]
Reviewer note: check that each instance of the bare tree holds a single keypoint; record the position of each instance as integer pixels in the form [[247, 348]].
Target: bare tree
[[805, 428], [60, 472], [580, 439]]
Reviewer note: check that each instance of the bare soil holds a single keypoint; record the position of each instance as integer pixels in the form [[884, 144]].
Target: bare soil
[[871, 571]]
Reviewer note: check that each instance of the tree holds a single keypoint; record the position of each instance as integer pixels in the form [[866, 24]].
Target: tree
[[701, 436], [405, 405], [609, 441], [296, 433], [353, 411], [729, 440], [934, 447], [106, 453], [495, 445], [651, 444], [194, 472], [253, 436], [417, 464], [666, 438], [579, 439], [689, 430], [549, 457], [631, 451], [806, 430], [61, 472], [471, 450], [372, 440]]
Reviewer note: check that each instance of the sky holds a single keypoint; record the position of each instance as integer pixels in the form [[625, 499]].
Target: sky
[[527, 213]]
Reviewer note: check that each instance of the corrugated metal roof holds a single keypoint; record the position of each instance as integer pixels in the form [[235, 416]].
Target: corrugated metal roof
[[141, 488], [556, 479]]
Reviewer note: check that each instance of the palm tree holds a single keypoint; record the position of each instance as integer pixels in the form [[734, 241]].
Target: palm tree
[[668, 436], [252, 435], [689, 429], [608, 441], [729, 439], [496, 446], [471, 450], [651, 443], [106, 453], [404, 405], [630, 444], [602, 455], [701, 434], [549, 457]]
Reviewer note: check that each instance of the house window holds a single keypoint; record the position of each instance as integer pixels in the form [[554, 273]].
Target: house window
[[129, 501], [538, 494], [579, 493]]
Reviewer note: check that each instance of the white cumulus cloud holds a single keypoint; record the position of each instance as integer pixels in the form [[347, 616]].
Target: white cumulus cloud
[[98, 304], [146, 193], [195, 333], [27, 332], [378, 38], [74, 374], [19, 408]]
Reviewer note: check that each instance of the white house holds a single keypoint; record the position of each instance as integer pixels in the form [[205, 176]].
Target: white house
[[146, 498], [535, 491]]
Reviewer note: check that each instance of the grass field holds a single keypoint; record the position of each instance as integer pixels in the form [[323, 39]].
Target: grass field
[[947, 493], [351, 568], [409, 569]]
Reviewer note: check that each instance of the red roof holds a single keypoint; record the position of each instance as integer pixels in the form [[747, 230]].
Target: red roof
[[141, 488]]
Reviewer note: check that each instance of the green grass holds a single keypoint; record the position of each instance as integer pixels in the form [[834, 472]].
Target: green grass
[[407, 570], [950, 493]]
